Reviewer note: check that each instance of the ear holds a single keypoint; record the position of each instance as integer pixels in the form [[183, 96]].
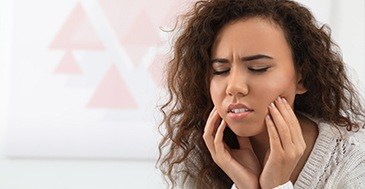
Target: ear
[[300, 87]]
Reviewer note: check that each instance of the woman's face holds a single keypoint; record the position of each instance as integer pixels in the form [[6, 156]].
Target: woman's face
[[252, 66]]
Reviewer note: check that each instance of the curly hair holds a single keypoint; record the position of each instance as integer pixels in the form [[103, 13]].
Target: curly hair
[[184, 158]]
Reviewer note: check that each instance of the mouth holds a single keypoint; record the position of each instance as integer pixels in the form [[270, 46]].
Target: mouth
[[238, 111], [238, 108]]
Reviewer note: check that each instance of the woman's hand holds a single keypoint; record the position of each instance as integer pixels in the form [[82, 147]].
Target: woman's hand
[[240, 165], [287, 145]]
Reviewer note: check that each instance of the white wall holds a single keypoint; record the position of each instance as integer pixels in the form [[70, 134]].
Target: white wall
[[348, 24], [345, 17]]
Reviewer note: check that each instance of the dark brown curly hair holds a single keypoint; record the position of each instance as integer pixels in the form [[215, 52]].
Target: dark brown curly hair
[[184, 158]]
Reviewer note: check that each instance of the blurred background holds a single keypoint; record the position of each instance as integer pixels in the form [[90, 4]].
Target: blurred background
[[81, 79]]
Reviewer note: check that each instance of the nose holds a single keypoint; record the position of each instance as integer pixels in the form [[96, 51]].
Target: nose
[[237, 84]]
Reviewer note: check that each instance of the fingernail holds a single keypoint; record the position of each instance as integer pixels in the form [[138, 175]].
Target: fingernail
[[268, 117], [279, 99], [284, 100], [272, 105], [222, 121]]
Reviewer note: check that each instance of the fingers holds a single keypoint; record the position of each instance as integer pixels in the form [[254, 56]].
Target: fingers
[[209, 130], [213, 138], [286, 123], [286, 144], [273, 135], [218, 141], [213, 133], [291, 120], [281, 126]]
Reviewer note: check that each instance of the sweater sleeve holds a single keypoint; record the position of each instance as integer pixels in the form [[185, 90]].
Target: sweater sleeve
[[288, 185], [355, 164]]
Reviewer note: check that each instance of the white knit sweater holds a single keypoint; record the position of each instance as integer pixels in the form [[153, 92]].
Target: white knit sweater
[[337, 161]]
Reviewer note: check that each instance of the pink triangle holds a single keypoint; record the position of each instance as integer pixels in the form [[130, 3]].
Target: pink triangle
[[157, 69], [136, 53], [68, 65], [176, 8], [112, 93], [77, 33], [120, 14], [157, 9], [142, 32]]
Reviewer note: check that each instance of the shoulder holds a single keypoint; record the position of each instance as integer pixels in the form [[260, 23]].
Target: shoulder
[[345, 152], [350, 160], [340, 142], [341, 137], [337, 155]]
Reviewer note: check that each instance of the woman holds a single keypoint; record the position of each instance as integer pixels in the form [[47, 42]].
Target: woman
[[259, 98]]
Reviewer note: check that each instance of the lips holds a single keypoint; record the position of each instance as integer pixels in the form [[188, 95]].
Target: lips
[[238, 111], [238, 108]]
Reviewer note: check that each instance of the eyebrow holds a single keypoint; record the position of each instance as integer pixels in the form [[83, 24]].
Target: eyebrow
[[255, 57], [243, 59]]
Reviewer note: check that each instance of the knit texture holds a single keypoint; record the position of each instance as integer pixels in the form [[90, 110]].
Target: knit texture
[[337, 160]]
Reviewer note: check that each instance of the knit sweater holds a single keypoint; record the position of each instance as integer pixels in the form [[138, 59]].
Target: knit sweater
[[337, 161]]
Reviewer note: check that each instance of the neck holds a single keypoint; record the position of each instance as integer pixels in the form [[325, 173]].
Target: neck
[[261, 144]]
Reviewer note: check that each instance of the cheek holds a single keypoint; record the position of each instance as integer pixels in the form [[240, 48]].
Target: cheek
[[288, 89], [216, 91], [279, 86]]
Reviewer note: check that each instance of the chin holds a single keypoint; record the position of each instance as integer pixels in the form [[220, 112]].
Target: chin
[[247, 131]]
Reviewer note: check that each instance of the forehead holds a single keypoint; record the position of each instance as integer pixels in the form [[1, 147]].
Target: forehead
[[252, 34]]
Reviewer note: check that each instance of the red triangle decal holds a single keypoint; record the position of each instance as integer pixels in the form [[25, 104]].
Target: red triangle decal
[[112, 93], [68, 65], [120, 14], [77, 33], [142, 32]]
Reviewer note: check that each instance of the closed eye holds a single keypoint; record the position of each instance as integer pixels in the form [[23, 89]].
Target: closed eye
[[259, 70], [220, 72]]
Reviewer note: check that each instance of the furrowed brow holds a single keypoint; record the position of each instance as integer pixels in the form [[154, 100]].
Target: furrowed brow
[[255, 57], [219, 60]]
